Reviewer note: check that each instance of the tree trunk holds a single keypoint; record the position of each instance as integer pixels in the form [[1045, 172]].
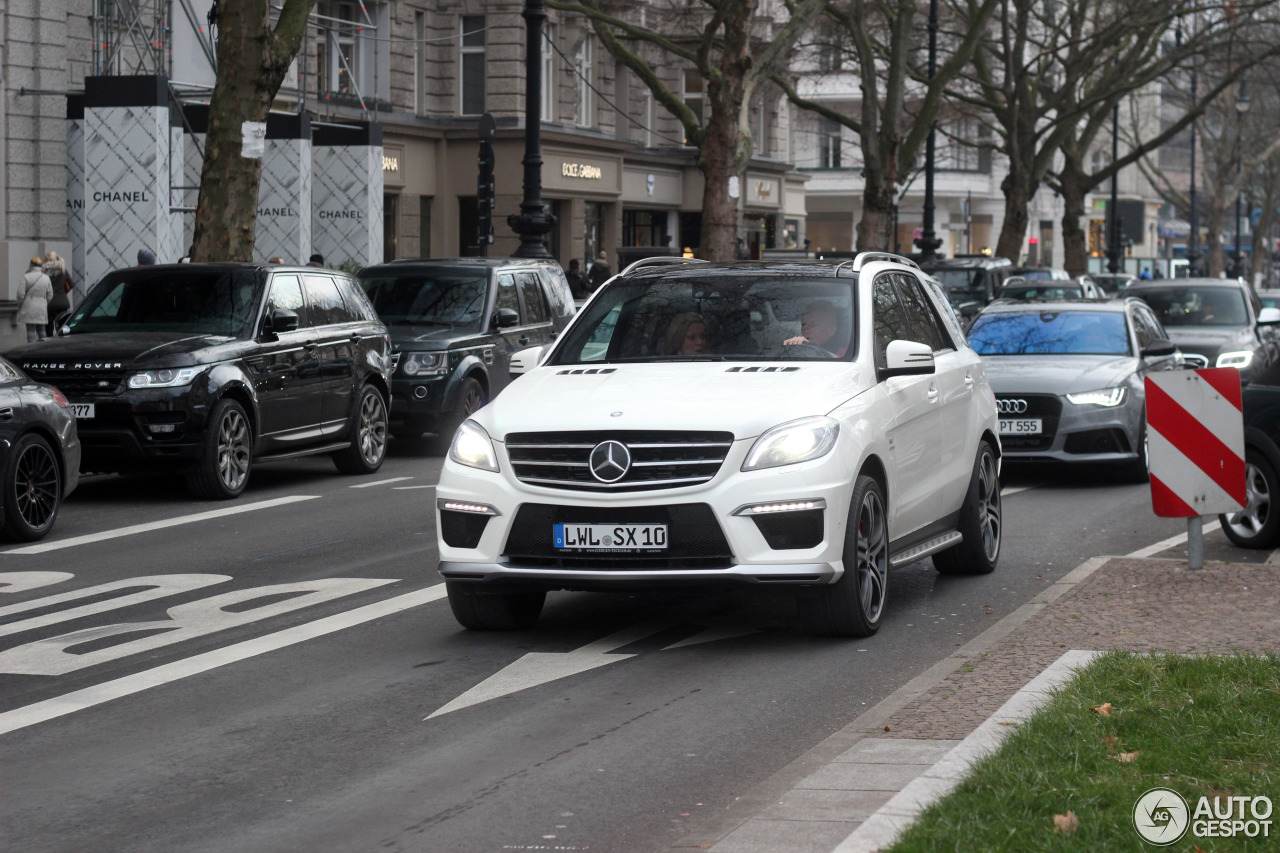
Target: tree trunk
[[1075, 242], [875, 229], [1017, 196], [717, 159], [252, 61]]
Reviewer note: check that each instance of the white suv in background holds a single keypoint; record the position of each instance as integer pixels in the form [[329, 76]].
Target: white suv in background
[[803, 424]]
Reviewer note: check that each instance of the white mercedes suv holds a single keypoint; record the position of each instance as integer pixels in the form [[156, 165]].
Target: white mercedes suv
[[807, 424]]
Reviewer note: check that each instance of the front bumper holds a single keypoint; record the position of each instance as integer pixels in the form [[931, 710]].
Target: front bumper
[[418, 399], [159, 428], [1081, 434], [513, 543]]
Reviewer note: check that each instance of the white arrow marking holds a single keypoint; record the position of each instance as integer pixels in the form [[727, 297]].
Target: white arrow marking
[[711, 636], [541, 667]]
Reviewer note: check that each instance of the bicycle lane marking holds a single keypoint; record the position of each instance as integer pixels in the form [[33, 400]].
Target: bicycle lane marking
[[78, 700], [90, 538]]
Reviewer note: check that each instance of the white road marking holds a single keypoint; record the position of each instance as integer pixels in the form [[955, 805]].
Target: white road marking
[[90, 538], [541, 667], [712, 635], [378, 483], [78, 700], [153, 587], [1013, 490], [24, 581], [1171, 542], [409, 488]]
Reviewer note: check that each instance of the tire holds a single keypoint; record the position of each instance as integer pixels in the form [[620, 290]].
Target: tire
[[226, 454], [368, 434], [32, 489], [981, 522], [471, 397], [479, 610], [1258, 524], [1140, 471], [854, 605]]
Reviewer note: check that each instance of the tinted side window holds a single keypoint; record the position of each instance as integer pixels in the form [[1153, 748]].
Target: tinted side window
[[358, 305], [535, 307], [921, 313], [286, 293], [887, 317], [1143, 329], [325, 301], [507, 296]]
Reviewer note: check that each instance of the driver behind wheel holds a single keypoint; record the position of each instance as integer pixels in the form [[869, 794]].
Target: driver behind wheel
[[818, 328]]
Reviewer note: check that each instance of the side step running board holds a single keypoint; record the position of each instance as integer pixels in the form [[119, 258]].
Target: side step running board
[[926, 548], [310, 451]]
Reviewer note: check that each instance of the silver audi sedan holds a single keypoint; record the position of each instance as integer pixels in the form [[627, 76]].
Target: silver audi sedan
[[1068, 377]]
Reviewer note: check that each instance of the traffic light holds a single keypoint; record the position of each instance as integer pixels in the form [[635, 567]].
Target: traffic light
[[485, 185]]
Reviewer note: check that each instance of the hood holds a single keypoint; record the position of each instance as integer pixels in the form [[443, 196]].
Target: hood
[[680, 395], [412, 338], [133, 349], [1057, 374], [1207, 340]]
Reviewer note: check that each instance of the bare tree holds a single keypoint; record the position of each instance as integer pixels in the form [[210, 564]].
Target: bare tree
[[253, 57], [883, 41], [734, 49]]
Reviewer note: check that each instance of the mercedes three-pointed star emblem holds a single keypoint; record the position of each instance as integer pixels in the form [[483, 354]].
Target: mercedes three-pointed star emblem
[[610, 461]]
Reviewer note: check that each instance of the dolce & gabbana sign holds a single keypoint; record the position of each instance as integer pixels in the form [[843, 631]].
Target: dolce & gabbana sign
[[581, 170]]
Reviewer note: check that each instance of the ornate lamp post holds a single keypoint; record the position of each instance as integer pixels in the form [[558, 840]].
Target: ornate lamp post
[[928, 242], [533, 223], [1242, 105], [1113, 206]]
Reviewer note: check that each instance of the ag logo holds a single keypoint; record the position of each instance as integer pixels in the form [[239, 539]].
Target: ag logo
[[1161, 816]]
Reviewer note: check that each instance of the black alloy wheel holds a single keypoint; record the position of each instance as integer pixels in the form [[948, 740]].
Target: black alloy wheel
[[32, 489]]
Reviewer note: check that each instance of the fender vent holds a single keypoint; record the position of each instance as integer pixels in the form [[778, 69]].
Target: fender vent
[[759, 369], [587, 370]]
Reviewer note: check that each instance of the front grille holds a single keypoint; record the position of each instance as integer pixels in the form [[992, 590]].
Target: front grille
[[1047, 408], [72, 382], [660, 459], [694, 538]]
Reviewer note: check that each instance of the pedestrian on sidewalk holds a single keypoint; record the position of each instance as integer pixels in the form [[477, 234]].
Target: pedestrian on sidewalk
[[60, 281], [35, 295], [579, 284], [600, 272], [146, 257]]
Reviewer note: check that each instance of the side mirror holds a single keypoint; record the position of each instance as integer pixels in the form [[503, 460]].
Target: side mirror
[[505, 318], [282, 320], [1159, 348], [525, 360], [907, 358], [1269, 317]]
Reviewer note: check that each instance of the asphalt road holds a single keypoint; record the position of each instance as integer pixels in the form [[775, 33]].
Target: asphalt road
[[290, 677]]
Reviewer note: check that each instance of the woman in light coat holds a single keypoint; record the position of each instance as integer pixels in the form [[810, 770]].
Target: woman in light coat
[[36, 293]]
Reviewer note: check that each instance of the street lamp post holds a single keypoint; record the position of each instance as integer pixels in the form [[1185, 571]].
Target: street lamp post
[[928, 242], [533, 223], [1193, 226], [1113, 206], [1242, 104]]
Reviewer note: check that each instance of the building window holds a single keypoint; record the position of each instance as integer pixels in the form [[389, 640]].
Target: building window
[[828, 144], [549, 101], [584, 114], [830, 57], [693, 95], [760, 126], [648, 117], [471, 65], [592, 229], [350, 58], [959, 151], [644, 228]]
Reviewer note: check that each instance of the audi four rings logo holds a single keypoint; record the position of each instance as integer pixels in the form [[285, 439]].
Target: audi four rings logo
[[610, 461], [1011, 407]]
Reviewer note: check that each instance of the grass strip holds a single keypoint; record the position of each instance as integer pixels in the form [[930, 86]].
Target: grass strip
[[1201, 726]]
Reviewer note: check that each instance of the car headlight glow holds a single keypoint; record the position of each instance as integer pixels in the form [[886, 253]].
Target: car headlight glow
[[429, 363], [1102, 397], [166, 378], [792, 442], [472, 447], [1239, 360]]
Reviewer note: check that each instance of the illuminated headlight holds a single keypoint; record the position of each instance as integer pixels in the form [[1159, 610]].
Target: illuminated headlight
[[164, 378], [473, 447], [1102, 397], [789, 443], [415, 363], [1238, 360]]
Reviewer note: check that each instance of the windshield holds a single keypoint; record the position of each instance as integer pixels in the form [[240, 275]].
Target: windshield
[[433, 297], [714, 317], [1047, 291], [1050, 333], [197, 302], [1196, 306]]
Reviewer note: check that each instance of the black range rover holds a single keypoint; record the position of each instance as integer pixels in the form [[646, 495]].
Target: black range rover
[[207, 369], [454, 324]]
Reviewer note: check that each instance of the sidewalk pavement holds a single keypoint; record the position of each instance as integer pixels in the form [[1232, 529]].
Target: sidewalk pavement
[[1142, 605]]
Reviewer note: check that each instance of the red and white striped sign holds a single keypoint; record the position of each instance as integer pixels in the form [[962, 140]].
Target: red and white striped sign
[[1195, 429]]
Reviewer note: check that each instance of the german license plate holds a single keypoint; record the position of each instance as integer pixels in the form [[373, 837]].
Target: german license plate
[[1020, 426], [82, 410], [610, 537]]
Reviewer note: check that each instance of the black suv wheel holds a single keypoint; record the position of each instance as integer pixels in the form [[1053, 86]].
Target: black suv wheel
[[368, 433], [226, 454]]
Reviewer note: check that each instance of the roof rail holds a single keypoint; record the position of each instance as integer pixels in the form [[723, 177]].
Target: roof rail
[[863, 258], [661, 260]]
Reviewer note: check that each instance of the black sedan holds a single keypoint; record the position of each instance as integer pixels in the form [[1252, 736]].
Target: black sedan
[[1258, 524], [39, 453]]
